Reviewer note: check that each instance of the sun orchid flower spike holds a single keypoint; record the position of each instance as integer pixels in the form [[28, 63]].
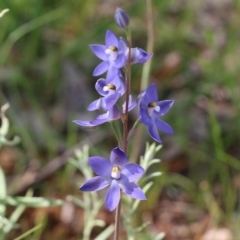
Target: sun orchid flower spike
[[121, 18], [118, 175], [150, 109]]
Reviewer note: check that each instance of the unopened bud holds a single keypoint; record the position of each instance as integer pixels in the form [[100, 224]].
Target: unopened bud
[[121, 18]]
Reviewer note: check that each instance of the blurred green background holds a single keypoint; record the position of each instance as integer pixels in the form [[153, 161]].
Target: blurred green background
[[46, 75]]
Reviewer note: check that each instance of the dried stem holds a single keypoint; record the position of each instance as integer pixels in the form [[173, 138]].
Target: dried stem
[[150, 43], [145, 73]]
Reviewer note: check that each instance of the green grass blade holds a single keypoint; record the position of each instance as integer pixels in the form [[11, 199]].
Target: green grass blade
[[3, 192], [28, 232]]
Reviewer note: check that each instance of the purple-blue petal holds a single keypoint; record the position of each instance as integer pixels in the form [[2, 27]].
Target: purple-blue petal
[[103, 116], [97, 122], [97, 104], [134, 191], [138, 55], [99, 51], [101, 166], [144, 117], [164, 106], [114, 113], [151, 94], [131, 105], [122, 46], [112, 73], [118, 157], [144, 57], [146, 99], [94, 184], [120, 61], [121, 85], [110, 100], [111, 39], [101, 68], [113, 196], [131, 189], [152, 129], [84, 123], [134, 55], [100, 84], [132, 171], [163, 126], [116, 73]]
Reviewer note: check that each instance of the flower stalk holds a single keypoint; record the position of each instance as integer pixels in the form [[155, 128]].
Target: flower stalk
[[117, 220], [128, 80]]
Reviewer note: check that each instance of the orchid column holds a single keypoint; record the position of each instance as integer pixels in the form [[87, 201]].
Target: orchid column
[[117, 56]]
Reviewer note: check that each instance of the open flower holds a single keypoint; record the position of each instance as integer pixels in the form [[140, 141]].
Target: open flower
[[112, 55], [116, 173], [150, 111], [111, 92]]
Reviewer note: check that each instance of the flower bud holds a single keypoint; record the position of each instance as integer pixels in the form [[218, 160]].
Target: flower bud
[[121, 18]]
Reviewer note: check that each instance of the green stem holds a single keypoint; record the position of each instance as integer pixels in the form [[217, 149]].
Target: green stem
[[117, 132], [117, 220], [3, 192], [133, 129]]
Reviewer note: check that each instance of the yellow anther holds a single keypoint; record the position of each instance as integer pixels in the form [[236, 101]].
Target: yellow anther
[[113, 48], [115, 169], [111, 86], [152, 104], [116, 173]]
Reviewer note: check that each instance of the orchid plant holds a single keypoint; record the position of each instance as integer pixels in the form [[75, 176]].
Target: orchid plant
[[117, 56]]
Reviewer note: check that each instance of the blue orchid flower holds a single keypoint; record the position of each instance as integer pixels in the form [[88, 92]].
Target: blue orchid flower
[[112, 55], [118, 175], [150, 109]]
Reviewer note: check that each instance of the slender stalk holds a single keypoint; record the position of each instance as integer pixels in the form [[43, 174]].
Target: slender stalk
[[125, 126], [117, 220], [128, 79], [145, 74]]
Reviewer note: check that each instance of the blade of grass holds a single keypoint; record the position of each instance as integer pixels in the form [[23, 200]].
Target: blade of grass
[[3, 192], [26, 28], [28, 232]]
